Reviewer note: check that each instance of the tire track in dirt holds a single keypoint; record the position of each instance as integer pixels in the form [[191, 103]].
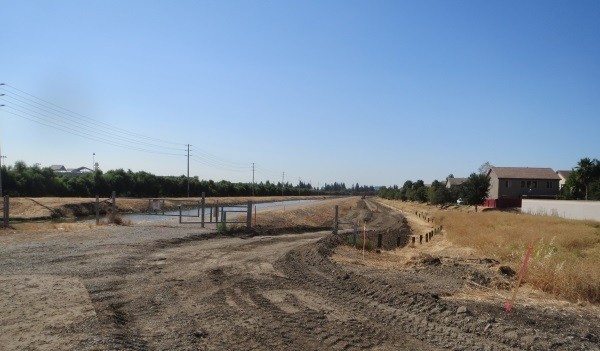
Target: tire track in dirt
[[108, 293], [381, 305]]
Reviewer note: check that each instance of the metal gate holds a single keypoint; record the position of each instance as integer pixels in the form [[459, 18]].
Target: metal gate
[[228, 214]]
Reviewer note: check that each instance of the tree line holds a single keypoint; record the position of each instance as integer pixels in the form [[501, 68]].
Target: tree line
[[24, 180], [471, 192]]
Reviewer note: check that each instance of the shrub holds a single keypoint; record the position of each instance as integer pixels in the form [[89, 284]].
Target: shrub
[[369, 245]]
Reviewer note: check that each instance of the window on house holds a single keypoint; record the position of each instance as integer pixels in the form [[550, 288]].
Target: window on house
[[506, 184], [534, 184], [549, 185], [522, 184], [529, 184]]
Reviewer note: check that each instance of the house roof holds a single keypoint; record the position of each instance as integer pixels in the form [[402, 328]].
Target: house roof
[[58, 168], [455, 181], [564, 174], [524, 173]]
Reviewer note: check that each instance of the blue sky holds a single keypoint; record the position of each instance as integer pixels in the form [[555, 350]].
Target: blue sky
[[373, 92]]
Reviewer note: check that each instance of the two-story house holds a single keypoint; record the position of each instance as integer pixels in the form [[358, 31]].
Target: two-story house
[[508, 185]]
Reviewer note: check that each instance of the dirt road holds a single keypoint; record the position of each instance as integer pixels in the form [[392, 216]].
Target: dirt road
[[184, 288], [183, 292]]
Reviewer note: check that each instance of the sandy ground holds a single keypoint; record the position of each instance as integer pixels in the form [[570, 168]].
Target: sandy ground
[[182, 287], [40, 309]]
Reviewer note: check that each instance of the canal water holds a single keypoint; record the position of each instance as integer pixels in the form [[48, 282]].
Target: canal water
[[191, 213]]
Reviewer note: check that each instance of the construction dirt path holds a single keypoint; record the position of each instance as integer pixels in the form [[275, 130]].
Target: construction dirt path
[[188, 288]]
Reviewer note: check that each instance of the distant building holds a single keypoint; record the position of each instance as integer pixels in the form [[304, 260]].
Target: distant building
[[508, 185], [564, 175], [58, 168], [70, 172], [450, 182]]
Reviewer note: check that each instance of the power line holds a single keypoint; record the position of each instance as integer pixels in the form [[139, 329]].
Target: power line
[[218, 166], [78, 115], [69, 125], [27, 106], [90, 136]]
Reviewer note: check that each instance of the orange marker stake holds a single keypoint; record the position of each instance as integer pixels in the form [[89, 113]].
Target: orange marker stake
[[522, 272]]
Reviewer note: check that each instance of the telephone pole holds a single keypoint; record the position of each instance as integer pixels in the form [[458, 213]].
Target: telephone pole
[[1, 157], [252, 178], [188, 170], [282, 182]]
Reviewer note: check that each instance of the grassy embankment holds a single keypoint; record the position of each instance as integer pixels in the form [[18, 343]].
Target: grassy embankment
[[566, 256]]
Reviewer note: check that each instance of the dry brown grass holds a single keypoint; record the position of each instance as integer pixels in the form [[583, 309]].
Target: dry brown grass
[[566, 255], [313, 215]]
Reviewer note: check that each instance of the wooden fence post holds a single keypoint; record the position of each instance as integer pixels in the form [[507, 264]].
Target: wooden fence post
[[249, 215], [97, 208], [113, 210], [6, 211], [202, 203], [335, 221]]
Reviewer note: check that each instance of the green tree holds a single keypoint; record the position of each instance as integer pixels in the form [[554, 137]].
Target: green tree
[[438, 194], [475, 189], [586, 172]]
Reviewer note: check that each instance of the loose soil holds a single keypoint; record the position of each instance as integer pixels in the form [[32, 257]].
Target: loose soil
[[182, 287]]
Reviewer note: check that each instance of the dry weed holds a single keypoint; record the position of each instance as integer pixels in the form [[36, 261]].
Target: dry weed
[[566, 256]]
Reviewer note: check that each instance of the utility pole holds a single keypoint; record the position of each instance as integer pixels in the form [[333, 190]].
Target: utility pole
[[1, 157], [252, 178], [188, 170], [282, 182]]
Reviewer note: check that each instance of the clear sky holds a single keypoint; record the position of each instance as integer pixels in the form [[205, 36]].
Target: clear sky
[[374, 92]]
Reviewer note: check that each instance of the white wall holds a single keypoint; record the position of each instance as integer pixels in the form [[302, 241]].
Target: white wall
[[578, 209]]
